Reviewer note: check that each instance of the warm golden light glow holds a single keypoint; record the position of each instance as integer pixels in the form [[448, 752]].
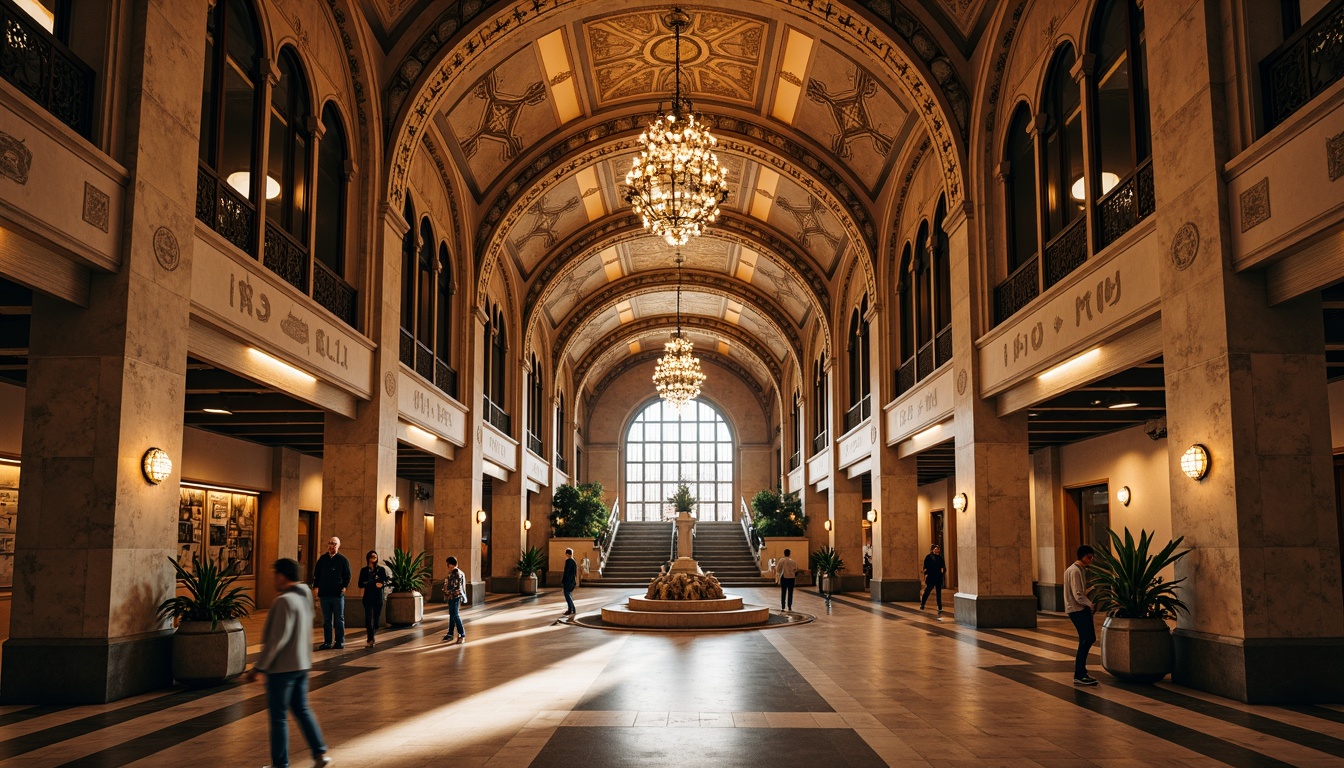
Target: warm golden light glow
[[1072, 364], [393, 503], [157, 465], [242, 182], [1195, 462], [678, 376], [1122, 495], [960, 502]]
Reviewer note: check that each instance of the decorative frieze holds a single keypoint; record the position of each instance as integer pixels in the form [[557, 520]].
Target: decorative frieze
[[1255, 205]]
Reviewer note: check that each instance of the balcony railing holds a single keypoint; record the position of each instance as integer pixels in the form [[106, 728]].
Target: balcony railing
[[332, 292], [795, 460], [560, 463], [406, 351], [420, 358], [924, 361], [905, 376], [286, 257], [424, 361], [445, 378], [1067, 251], [497, 417], [1307, 63], [36, 63], [1122, 208], [942, 347], [819, 442], [858, 412], [534, 443], [1017, 291], [225, 211]]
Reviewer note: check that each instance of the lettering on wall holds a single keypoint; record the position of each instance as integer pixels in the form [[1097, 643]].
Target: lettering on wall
[[433, 411], [424, 406], [927, 404]]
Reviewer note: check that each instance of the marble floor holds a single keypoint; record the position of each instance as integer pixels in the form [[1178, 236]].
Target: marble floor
[[865, 684]]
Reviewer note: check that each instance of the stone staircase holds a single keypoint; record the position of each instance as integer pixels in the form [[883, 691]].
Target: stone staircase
[[639, 550], [722, 549]]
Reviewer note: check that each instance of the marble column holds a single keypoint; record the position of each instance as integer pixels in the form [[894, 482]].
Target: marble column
[[845, 502], [277, 521], [1047, 498], [457, 483], [1247, 381], [994, 567], [105, 384], [896, 551]]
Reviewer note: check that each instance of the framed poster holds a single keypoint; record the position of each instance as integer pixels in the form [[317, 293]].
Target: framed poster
[[9, 513], [218, 527]]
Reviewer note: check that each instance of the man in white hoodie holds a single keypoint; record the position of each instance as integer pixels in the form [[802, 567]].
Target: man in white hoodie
[[286, 657], [1079, 607]]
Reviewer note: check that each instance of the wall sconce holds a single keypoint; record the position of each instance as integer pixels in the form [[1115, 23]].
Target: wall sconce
[[960, 502], [527, 525], [871, 516], [422, 493], [1122, 495], [480, 515], [1195, 462], [826, 525], [393, 503], [156, 465]]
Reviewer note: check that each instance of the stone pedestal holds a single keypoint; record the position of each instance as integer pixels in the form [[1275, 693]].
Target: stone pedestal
[[685, 563]]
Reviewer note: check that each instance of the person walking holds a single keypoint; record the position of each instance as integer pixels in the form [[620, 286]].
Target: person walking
[[1080, 609], [331, 576], [455, 589], [935, 570], [286, 657], [372, 579], [569, 581], [786, 571]]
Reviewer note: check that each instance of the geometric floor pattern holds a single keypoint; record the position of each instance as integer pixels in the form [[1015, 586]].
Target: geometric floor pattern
[[863, 685]]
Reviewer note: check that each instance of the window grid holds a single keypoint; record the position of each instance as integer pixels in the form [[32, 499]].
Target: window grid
[[664, 448]]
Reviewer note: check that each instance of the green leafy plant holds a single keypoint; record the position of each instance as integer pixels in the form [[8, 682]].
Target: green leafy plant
[[407, 572], [578, 511], [210, 596], [530, 562], [827, 561], [778, 514], [682, 500], [1126, 582]]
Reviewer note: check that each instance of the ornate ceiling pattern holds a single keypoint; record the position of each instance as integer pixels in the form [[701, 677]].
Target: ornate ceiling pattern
[[708, 355], [617, 344]]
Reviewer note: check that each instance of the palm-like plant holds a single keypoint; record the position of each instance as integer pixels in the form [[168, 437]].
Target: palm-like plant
[[530, 562], [210, 596], [1126, 582], [826, 560], [407, 572]]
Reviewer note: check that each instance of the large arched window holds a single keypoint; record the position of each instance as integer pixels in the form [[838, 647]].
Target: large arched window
[[942, 286], [859, 383], [561, 432], [923, 299], [407, 284], [425, 293], [444, 375], [287, 162], [1020, 198], [534, 407], [329, 228], [1062, 171], [1120, 120], [227, 189], [496, 353], [821, 406], [796, 431], [426, 303], [664, 448]]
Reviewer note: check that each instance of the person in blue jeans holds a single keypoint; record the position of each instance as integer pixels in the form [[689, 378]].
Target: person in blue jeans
[[454, 588], [331, 576], [569, 581], [286, 657]]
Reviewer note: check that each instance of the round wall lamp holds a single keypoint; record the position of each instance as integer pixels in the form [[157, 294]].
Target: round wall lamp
[[393, 503], [527, 525], [156, 465], [1195, 462], [960, 502], [480, 515], [871, 516], [826, 525], [1122, 495]]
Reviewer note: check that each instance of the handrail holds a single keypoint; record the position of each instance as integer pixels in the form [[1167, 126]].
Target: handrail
[[754, 542], [609, 535], [673, 557]]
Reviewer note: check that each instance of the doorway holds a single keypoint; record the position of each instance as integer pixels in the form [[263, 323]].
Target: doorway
[[1093, 503], [938, 531], [307, 543]]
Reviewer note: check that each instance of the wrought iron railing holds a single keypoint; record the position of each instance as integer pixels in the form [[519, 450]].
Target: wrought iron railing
[[608, 536], [534, 443], [497, 417], [1017, 291], [560, 462], [905, 376], [445, 378], [942, 347], [1131, 201], [819, 442], [424, 361], [332, 292], [39, 65], [406, 352], [225, 211], [754, 540], [924, 361], [795, 459], [286, 257], [1066, 252], [858, 412], [1308, 62]]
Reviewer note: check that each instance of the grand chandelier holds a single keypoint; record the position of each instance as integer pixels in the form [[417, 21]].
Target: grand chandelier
[[678, 376], [676, 182]]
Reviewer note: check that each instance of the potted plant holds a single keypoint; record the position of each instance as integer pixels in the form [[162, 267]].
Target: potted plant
[[828, 563], [408, 575], [209, 646], [778, 514], [682, 500], [579, 519], [1136, 643], [530, 563]]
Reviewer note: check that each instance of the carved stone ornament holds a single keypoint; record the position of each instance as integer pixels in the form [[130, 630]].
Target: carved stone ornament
[[96, 206], [166, 250], [1255, 205], [961, 382], [390, 383], [872, 434], [15, 158], [478, 434], [1334, 156], [1185, 245]]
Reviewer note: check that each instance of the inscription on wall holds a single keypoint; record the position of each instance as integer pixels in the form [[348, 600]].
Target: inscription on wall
[[499, 449], [857, 447], [927, 404], [435, 413]]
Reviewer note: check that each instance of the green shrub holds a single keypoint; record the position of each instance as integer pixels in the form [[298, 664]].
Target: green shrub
[[578, 511], [777, 514], [210, 594], [409, 573]]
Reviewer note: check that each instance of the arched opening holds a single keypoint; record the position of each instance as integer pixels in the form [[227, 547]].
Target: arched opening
[[664, 448]]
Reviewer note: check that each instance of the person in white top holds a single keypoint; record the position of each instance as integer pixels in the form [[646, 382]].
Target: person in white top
[[786, 571], [1080, 609]]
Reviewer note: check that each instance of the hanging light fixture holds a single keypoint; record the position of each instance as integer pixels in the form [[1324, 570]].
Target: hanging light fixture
[[676, 182], [678, 376]]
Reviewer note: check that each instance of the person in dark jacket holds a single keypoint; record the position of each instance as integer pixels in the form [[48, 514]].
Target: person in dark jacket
[[569, 581], [331, 576], [372, 578], [934, 570]]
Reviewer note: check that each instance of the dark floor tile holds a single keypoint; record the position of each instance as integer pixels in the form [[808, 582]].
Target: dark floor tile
[[594, 747]]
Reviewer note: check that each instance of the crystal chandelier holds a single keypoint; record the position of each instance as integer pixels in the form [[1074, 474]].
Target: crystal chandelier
[[678, 376], [676, 182]]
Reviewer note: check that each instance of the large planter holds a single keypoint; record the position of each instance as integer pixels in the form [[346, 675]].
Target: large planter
[[1137, 650], [405, 609], [830, 584], [527, 585], [203, 657]]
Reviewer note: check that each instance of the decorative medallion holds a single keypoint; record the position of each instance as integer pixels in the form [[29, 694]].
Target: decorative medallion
[[15, 158], [166, 250], [1185, 245], [390, 383], [961, 382], [95, 206], [1334, 156], [478, 434], [1255, 205], [872, 435]]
